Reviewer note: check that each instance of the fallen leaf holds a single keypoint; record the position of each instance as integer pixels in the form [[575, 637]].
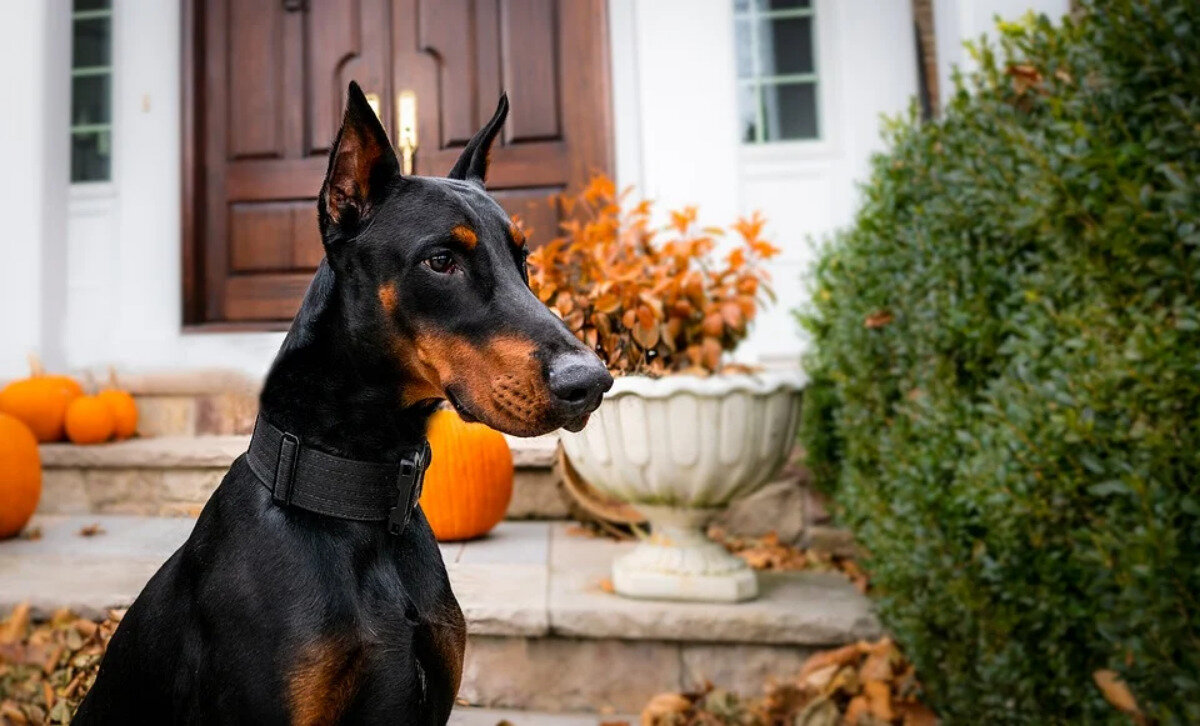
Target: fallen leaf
[[821, 712], [856, 710], [877, 666], [818, 679], [880, 698], [662, 706], [91, 530], [846, 681], [1115, 691], [915, 714], [14, 627], [838, 657], [878, 319]]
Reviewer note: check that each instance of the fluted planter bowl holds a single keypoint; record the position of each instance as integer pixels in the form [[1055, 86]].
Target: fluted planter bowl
[[680, 449]]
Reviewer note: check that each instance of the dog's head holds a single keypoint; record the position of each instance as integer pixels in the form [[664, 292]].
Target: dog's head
[[432, 273]]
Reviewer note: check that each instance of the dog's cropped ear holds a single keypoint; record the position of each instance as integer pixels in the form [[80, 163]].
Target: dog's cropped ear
[[472, 164], [361, 166]]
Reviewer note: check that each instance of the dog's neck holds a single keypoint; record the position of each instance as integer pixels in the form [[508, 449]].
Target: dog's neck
[[335, 391]]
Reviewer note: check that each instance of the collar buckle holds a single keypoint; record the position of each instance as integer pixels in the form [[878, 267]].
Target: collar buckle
[[409, 483]]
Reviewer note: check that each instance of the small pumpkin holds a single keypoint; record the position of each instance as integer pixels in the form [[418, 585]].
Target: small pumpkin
[[20, 475], [124, 411], [90, 421], [469, 484], [40, 401]]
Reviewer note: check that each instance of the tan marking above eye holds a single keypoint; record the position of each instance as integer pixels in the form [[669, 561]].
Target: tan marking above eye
[[387, 297], [465, 235]]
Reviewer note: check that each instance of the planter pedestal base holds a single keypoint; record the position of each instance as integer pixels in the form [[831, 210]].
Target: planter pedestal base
[[678, 562]]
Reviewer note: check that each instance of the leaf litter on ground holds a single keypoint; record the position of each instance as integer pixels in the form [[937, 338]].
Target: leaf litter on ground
[[46, 668], [861, 684]]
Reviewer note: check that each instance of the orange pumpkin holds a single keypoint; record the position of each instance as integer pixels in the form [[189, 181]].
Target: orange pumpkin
[[469, 484], [20, 475], [40, 401], [124, 411], [90, 421]]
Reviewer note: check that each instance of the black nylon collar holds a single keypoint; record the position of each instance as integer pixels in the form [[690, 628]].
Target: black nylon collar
[[364, 491]]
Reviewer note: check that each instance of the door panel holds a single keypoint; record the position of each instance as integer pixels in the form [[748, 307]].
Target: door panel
[[273, 236], [531, 37], [265, 87]]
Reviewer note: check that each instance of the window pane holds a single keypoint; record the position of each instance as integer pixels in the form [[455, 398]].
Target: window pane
[[90, 156], [785, 46], [745, 48], [91, 99], [748, 112], [782, 4], [93, 4], [790, 111], [92, 47]]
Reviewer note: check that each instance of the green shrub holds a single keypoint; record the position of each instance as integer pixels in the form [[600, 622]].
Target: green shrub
[[1007, 373]]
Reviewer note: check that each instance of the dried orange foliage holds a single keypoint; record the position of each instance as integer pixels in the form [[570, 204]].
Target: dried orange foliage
[[45, 669], [1117, 693], [863, 684], [647, 300], [768, 553]]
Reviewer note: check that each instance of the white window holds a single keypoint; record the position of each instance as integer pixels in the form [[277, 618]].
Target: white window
[[776, 70], [91, 91]]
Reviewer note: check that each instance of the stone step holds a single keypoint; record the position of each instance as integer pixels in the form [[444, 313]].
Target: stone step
[[472, 716], [545, 634], [175, 475]]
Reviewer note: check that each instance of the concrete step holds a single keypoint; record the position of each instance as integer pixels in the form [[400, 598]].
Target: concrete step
[[175, 475], [545, 635]]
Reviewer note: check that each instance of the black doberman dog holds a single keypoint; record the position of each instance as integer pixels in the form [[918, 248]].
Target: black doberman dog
[[277, 614]]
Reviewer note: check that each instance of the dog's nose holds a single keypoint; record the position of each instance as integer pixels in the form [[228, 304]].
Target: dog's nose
[[578, 380]]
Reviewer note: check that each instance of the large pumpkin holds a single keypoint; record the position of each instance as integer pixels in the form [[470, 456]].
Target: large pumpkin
[[469, 484], [40, 401], [20, 475]]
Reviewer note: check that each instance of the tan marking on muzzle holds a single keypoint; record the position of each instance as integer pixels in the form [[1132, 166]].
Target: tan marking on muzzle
[[500, 380], [419, 382]]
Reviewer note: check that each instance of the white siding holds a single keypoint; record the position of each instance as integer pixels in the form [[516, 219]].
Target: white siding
[[101, 283]]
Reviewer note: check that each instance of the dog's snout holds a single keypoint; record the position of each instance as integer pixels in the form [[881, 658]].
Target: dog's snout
[[577, 381]]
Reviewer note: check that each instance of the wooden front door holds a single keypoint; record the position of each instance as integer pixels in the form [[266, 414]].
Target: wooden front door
[[265, 84]]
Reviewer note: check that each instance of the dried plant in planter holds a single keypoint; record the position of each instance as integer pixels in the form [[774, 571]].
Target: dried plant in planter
[[651, 301]]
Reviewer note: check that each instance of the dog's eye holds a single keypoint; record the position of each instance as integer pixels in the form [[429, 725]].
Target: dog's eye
[[442, 262]]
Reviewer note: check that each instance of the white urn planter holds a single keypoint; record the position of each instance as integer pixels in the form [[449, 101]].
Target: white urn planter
[[680, 449]]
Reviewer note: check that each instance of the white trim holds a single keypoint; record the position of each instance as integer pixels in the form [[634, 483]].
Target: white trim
[[86, 190], [758, 384], [626, 100]]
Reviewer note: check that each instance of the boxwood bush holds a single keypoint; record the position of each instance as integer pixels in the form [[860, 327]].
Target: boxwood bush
[[1006, 376]]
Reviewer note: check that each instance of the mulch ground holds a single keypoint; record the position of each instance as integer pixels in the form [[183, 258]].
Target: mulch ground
[[46, 668]]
